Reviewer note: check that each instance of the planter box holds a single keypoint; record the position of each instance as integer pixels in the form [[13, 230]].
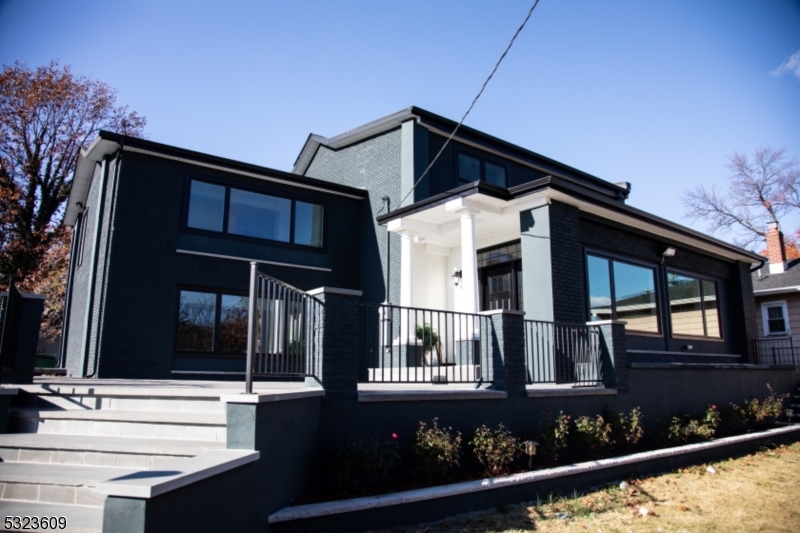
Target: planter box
[[437, 503]]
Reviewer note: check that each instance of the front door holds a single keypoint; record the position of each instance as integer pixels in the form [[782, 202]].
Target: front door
[[501, 287]]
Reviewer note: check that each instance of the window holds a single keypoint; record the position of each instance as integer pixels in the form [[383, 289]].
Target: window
[[622, 291], [775, 316], [209, 322], [250, 214], [472, 168], [693, 306]]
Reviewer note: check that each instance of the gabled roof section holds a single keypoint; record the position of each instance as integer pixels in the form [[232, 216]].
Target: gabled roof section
[[787, 281], [108, 143], [444, 126]]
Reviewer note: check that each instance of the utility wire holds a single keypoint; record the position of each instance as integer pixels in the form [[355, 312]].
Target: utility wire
[[485, 83]]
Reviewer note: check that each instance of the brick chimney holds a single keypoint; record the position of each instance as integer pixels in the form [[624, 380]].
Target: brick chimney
[[775, 250]]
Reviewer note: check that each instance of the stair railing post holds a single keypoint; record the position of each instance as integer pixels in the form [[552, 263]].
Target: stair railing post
[[252, 327]]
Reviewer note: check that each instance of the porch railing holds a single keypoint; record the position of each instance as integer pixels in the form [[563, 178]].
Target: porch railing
[[777, 351], [563, 353], [415, 345], [282, 330]]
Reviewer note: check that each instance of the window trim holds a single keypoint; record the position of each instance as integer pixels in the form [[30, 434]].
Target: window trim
[[82, 235], [230, 184], [482, 162], [668, 309], [631, 261], [216, 351], [765, 318]]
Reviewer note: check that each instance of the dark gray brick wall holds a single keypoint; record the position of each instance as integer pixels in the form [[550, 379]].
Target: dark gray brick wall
[[614, 352], [743, 310], [137, 294], [373, 164], [566, 256], [338, 339], [508, 353]]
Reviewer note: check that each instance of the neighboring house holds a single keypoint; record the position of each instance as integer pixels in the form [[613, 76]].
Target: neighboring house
[[159, 274], [776, 287]]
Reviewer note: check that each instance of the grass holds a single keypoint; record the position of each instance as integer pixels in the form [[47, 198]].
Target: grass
[[755, 493]]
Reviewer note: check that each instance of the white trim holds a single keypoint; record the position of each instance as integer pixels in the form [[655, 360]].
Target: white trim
[[664, 352], [240, 172], [334, 290], [777, 290], [765, 318], [259, 261]]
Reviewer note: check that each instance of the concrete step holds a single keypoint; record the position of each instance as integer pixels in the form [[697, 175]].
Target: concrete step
[[90, 450], [61, 484], [151, 401], [120, 423], [80, 519]]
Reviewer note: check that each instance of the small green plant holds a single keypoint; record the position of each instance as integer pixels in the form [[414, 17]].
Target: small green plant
[[555, 432], [595, 432], [754, 413], [684, 429], [495, 449], [359, 464], [436, 452], [631, 429], [430, 339]]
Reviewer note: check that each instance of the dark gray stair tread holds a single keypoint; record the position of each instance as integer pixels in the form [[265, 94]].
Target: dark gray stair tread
[[80, 519], [55, 474], [92, 443], [113, 415]]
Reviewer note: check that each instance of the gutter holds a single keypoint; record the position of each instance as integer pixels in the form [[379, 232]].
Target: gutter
[[777, 290]]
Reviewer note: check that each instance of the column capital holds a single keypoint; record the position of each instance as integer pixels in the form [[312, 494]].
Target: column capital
[[467, 212]]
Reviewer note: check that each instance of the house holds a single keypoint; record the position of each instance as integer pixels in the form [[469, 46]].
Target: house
[[776, 288], [158, 279]]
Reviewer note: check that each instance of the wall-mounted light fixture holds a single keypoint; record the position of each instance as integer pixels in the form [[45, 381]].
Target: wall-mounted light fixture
[[669, 252], [456, 276]]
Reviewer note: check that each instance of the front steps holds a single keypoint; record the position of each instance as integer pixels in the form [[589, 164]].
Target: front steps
[[61, 444]]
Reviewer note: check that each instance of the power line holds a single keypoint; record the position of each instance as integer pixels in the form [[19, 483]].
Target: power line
[[485, 83]]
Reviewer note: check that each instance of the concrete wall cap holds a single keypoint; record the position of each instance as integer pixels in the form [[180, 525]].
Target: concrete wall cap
[[155, 481], [333, 290], [607, 323], [502, 312], [683, 352], [265, 397], [9, 391]]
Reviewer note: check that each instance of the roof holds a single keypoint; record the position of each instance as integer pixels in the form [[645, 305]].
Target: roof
[[444, 126], [108, 143], [787, 281]]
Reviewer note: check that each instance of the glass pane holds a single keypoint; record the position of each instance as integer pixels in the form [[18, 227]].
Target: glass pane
[[308, 224], [233, 324], [599, 288], [469, 168], [259, 215], [500, 291], [196, 319], [635, 297], [206, 206], [712, 309], [495, 174], [684, 305], [775, 320]]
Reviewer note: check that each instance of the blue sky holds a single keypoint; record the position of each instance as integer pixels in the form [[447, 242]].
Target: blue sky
[[655, 93]]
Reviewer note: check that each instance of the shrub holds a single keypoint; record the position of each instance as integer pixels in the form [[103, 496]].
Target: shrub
[[436, 452], [754, 413], [359, 464], [684, 429], [554, 434], [630, 429], [495, 449], [594, 432]]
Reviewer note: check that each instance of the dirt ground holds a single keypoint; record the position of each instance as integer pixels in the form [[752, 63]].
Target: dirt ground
[[756, 493]]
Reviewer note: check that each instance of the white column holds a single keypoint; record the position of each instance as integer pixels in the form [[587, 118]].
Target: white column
[[469, 260], [406, 269]]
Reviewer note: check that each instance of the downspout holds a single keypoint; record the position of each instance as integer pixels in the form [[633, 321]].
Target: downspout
[[388, 253], [106, 253], [761, 264], [68, 298], [93, 272]]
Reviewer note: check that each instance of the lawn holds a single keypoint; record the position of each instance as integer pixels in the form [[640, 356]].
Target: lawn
[[756, 493]]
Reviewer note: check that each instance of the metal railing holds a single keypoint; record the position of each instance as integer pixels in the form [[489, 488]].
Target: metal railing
[[777, 351], [282, 330], [415, 345], [563, 353]]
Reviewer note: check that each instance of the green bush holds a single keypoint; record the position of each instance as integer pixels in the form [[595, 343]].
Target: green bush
[[684, 429], [555, 433], [435, 452], [629, 429], [359, 464], [595, 432], [495, 449]]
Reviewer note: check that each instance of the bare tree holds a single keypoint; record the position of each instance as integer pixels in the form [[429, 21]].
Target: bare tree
[[760, 190]]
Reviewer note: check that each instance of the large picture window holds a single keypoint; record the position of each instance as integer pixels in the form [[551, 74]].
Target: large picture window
[[210, 322], [473, 168], [622, 291], [693, 306], [252, 214]]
